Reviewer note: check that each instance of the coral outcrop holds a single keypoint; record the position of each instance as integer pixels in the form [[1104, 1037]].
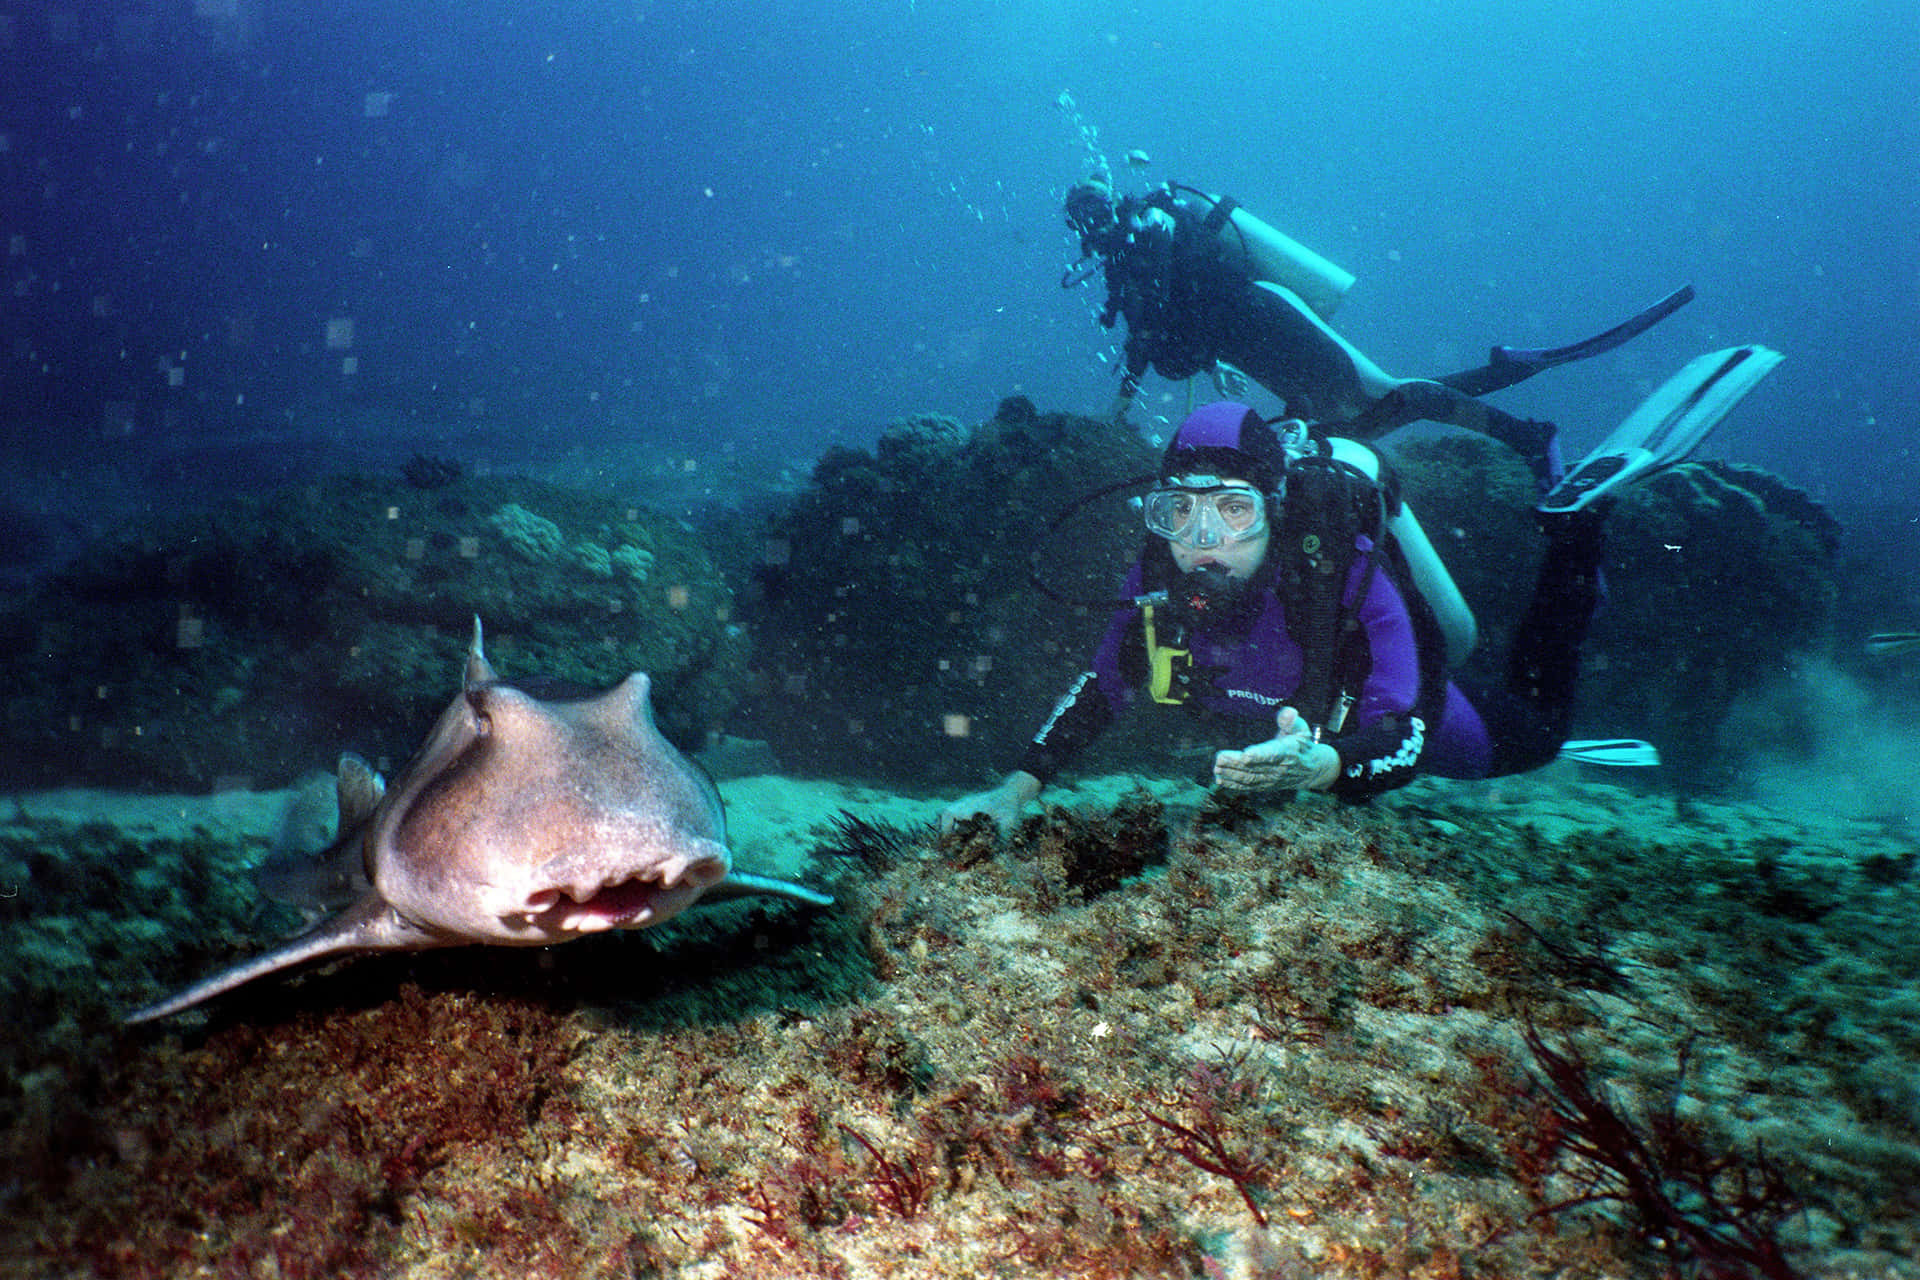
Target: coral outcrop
[[1717, 577], [258, 639], [897, 634], [899, 638]]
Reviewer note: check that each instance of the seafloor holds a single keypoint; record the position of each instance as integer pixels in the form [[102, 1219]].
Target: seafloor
[[1547, 1027]]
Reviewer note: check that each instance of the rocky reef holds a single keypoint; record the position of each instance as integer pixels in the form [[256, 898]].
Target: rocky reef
[[1726, 577], [898, 637], [259, 638], [896, 633], [1469, 1031]]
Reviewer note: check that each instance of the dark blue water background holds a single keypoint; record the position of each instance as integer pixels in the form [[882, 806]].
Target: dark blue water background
[[274, 235]]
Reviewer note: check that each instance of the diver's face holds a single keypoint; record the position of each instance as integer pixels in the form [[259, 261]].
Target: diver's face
[[1239, 559], [1091, 216], [1209, 520]]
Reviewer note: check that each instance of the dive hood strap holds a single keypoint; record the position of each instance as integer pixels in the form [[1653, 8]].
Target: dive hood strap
[[1054, 525]]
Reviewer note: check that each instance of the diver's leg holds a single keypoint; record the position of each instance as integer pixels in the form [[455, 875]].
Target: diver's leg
[[1543, 667], [1537, 442], [1423, 400], [1276, 339], [1523, 721]]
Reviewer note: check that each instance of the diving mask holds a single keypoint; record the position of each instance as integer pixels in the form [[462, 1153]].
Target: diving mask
[[1203, 511]]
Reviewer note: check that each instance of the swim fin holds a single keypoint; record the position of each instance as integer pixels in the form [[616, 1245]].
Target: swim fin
[[1628, 753], [1891, 644], [1668, 425], [1508, 365]]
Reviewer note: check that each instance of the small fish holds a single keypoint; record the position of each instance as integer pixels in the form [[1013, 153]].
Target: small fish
[[1887, 644], [1138, 159]]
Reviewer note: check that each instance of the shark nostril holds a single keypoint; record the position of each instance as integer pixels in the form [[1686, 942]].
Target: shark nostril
[[543, 900]]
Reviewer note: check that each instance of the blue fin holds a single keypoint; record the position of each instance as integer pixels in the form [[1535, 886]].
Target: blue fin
[[1508, 365], [1890, 644]]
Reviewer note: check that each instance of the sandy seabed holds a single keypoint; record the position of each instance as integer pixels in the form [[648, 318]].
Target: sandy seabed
[[1544, 1027]]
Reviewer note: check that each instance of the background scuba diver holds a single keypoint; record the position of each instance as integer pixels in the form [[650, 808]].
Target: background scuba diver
[[1201, 282], [1287, 601]]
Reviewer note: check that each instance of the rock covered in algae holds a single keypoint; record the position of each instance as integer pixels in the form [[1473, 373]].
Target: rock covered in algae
[[896, 631], [262, 637], [1296, 1042]]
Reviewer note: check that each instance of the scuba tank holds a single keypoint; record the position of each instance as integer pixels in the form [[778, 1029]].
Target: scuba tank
[[1430, 576], [1427, 571], [1263, 252]]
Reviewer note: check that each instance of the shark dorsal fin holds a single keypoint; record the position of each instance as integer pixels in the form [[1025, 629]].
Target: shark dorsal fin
[[478, 670]]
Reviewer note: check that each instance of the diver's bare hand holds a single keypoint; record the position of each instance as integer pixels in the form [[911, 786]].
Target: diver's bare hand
[[1289, 761], [1006, 804]]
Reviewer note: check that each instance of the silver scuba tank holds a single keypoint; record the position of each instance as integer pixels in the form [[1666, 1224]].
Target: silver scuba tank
[[1266, 253]]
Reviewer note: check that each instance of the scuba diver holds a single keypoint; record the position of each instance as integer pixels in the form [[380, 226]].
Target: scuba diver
[[1272, 591], [1206, 287]]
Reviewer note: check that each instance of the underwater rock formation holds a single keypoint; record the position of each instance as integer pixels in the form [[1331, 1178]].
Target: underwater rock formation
[[1722, 576], [897, 636], [896, 633], [261, 638]]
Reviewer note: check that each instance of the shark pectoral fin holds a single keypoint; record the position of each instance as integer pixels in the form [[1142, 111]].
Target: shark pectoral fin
[[369, 925], [357, 790], [740, 883]]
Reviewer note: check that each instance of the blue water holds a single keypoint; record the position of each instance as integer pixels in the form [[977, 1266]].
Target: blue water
[[758, 228]]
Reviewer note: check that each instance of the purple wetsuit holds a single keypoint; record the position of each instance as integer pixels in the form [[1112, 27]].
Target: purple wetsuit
[[1407, 716]]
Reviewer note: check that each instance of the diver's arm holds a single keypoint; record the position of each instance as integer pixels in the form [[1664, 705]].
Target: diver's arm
[[1400, 700], [1005, 803], [1291, 760], [1094, 699], [1080, 716], [1123, 399]]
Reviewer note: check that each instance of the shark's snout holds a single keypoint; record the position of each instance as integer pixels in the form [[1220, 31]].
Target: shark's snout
[[623, 901]]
